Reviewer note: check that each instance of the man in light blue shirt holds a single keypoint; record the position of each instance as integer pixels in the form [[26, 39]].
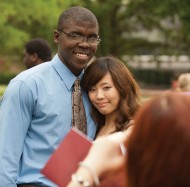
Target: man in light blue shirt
[[36, 109]]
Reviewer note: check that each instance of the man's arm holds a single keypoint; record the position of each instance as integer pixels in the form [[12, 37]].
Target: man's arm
[[15, 117]]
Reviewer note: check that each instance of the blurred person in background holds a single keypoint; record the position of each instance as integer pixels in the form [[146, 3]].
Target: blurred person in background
[[183, 83], [36, 51]]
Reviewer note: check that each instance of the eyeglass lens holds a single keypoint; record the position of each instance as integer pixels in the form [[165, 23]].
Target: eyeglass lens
[[79, 38]]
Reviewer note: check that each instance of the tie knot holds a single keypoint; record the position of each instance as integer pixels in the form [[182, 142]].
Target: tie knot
[[76, 86]]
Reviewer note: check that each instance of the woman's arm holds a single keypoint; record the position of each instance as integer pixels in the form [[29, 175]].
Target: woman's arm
[[104, 160]]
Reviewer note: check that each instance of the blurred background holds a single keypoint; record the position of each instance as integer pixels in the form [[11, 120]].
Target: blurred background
[[152, 37]]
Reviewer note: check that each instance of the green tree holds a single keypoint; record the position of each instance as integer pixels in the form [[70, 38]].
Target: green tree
[[120, 19], [170, 17], [22, 20]]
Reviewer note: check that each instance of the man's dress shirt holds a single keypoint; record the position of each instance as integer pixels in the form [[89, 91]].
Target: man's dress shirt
[[35, 115]]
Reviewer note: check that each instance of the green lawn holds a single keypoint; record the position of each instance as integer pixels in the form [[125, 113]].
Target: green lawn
[[2, 89]]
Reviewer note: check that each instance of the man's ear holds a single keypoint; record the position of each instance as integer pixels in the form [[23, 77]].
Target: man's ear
[[34, 57], [56, 36]]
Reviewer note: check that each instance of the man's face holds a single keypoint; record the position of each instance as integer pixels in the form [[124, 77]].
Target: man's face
[[28, 59], [75, 55]]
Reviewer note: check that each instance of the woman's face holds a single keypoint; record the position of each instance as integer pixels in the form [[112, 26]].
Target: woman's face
[[104, 96]]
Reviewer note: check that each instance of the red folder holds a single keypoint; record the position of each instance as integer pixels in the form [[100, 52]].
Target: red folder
[[64, 161]]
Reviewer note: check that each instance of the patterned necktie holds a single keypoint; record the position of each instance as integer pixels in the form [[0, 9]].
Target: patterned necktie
[[79, 117]]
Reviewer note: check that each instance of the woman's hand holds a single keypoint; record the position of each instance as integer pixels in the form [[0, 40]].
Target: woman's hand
[[105, 156]]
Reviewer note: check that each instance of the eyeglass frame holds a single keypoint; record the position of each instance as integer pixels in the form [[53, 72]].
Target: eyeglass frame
[[70, 34]]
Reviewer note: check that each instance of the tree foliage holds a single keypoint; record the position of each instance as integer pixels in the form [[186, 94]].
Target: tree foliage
[[121, 19], [121, 24], [170, 18], [23, 20]]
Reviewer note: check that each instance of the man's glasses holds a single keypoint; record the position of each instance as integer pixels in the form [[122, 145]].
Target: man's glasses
[[79, 38]]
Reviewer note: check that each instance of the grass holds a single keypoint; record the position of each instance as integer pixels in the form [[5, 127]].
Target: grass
[[2, 89]]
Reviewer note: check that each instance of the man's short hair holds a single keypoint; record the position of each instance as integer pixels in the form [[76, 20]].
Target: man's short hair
[[41, 47], [77, 14]]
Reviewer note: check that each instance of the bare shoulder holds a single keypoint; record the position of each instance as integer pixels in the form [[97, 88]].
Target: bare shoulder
[[129, 125], [128, 130]]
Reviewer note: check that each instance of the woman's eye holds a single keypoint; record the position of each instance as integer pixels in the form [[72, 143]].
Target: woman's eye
[[91, 89], [107, 88]]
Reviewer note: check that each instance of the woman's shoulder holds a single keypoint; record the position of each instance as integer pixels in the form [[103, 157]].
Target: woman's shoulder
[[128, 124]]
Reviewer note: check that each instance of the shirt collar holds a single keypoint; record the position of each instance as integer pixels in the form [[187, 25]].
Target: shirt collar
[[65, 74]]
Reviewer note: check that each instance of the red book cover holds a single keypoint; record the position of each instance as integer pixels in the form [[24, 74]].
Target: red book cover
[[64, 161]]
